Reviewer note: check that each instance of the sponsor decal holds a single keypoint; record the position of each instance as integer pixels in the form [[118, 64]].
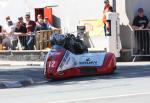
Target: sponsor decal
[[88, 61]]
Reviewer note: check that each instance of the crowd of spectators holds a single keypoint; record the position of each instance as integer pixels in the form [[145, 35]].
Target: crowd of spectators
[[22, 33]]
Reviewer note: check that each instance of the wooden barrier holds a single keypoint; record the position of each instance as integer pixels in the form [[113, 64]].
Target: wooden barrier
[[1, 40], [42, 38]]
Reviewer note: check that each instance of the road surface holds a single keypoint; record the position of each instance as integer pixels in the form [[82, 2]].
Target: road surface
[[129, 84]]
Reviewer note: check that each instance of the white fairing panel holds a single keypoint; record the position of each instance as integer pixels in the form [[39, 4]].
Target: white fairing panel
[[87, 59]]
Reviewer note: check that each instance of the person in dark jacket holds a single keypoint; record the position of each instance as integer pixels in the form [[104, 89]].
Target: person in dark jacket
[[21, 31], [140, 22]]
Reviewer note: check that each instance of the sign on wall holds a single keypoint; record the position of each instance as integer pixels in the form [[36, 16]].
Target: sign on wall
[[94, 27], [96, 35]]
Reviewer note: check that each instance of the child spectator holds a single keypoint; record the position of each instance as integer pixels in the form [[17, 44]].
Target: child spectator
[[41, 25], [39, 18], [48, 25]]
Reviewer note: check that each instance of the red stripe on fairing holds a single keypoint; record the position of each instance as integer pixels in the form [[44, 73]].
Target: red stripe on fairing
[[109, 64], [56, 57]]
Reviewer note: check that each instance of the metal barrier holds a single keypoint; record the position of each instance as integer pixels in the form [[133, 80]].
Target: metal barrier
[[39, 54], [140, 42], [41, 40]]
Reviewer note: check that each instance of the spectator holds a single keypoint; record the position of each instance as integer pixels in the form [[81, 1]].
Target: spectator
[[48, 25], [6, 42], [10, 41], [39, 18], [20, 30], [140, 21], [6, 25], [20, 19], [1, 38], [107, 8], [142, 37], [30, 25], [41, 25], [1, 35], [7, 18], [0, 29]]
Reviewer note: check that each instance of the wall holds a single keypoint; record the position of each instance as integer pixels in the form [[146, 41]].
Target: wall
[[127, 9], [17, 8], [72, 11], [68, 13]]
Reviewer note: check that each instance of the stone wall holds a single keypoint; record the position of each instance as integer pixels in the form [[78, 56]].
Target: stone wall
[[23, 55]]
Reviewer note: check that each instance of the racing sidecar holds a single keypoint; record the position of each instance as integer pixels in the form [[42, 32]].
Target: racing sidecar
[[62, 63]]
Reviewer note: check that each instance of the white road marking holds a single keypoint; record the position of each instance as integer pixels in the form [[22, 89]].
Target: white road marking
[[106, 97], [133, 63]]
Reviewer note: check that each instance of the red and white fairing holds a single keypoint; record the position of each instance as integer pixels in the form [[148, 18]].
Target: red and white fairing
[[62, 63]]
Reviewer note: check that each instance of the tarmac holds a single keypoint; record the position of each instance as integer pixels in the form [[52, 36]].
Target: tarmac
[[10, 80], [16, 81], [21, 63]]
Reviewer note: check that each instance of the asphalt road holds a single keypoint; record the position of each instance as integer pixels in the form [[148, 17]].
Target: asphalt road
[[129, 84], [33, 72]]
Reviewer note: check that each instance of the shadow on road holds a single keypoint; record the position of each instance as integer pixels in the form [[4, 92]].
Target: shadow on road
[[122, 72], [35, 73]]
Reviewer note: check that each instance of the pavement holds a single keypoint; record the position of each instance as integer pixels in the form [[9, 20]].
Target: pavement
[[10, 80], [21, 63], [13, 81]]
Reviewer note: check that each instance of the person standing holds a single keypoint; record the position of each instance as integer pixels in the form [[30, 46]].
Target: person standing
[[141, 36], [107, 8], [39, 18], [20, 31], [10, 41], [40, 25], [20, 20], [30, 25]]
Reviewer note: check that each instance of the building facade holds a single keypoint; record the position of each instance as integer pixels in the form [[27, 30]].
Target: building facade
[[68, 13]]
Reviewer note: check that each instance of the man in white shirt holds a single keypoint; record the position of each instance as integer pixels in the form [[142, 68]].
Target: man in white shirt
[[10, 41]]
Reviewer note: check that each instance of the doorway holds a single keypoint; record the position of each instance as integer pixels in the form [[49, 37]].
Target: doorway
[[45, 12], [39, 11]]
